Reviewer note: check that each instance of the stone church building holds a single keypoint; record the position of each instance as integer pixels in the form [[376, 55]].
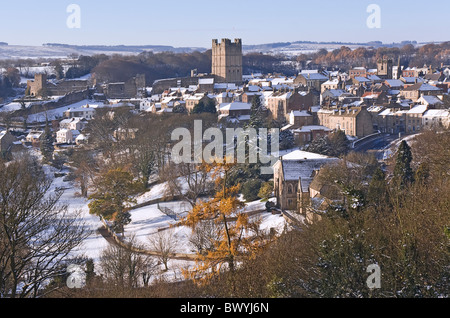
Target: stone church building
[[293, 175]]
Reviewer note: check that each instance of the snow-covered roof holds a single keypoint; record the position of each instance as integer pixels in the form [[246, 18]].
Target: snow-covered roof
[[419, 109], [195, 97], [206, 81], [311, 128], [430, 100], [428, 87], [334, 92], [231, 86], [302, 165], [331, 82], [315, 109], [375, 109], [373, 78], [35, 134], [235, 106], [411, 80], [243, 117], [437, 113], [361, 79], [300, 113], [315, 76], [303, 155], [394, 82], [386, 112], [166, 110]]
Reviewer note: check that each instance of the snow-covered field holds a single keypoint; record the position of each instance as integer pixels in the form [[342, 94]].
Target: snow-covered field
[[93, 246], [146, 222], [57, 113]]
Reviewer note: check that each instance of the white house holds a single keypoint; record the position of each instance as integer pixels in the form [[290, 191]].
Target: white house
[[81, 139], [86, 111], [74, 123], [436, 118], [66, 136], [145, 104], [34, 137]]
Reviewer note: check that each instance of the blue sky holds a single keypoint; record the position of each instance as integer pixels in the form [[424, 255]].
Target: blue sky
[[196, 22]]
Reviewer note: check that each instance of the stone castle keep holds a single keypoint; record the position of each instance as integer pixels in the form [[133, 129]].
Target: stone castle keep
[[227, 60], [226, 68]]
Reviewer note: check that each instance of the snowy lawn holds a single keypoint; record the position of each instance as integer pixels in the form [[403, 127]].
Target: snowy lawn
[[146, 222]]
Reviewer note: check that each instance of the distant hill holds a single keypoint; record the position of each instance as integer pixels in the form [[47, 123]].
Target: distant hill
[[61, 50], [127, 48]]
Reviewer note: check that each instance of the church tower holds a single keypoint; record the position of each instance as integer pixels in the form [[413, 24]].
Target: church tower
[[385, 68]]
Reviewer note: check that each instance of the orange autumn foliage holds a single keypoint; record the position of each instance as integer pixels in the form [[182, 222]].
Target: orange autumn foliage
[[234, 243]]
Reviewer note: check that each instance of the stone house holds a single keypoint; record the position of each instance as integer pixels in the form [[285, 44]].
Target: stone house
[[435, 77], [361, 81], [321, 196], [305, 134], [6, 141], [354, 121], [311, 80], [225, 97], [195, 99], [125, 133], [34, 137], [330, 84], [357, 72], [414, 92], [235, 110], [247, 97], [390, 120], [413, 118], [375, 97], [299, 118], [431, 101], [281, 103], [331, 96], [394, 84]]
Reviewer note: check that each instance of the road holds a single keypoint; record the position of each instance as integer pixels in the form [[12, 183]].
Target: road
[[376, 144]]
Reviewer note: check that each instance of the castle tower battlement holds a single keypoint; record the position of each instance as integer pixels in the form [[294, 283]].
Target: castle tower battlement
[[227, 60]]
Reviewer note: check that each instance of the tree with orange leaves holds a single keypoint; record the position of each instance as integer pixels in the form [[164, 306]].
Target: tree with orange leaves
[[239, 236]]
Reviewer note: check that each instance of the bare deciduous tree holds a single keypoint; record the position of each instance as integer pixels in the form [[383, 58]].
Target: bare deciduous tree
[[165, 244], [124, 267], [188, 181], [37, 234], [204, 236]]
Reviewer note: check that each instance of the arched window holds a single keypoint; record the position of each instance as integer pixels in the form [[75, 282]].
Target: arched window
[[289, 189]]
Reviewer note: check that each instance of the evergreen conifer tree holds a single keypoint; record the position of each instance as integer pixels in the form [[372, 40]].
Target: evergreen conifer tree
[[403, 172], [256, 116], [47, 141]]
